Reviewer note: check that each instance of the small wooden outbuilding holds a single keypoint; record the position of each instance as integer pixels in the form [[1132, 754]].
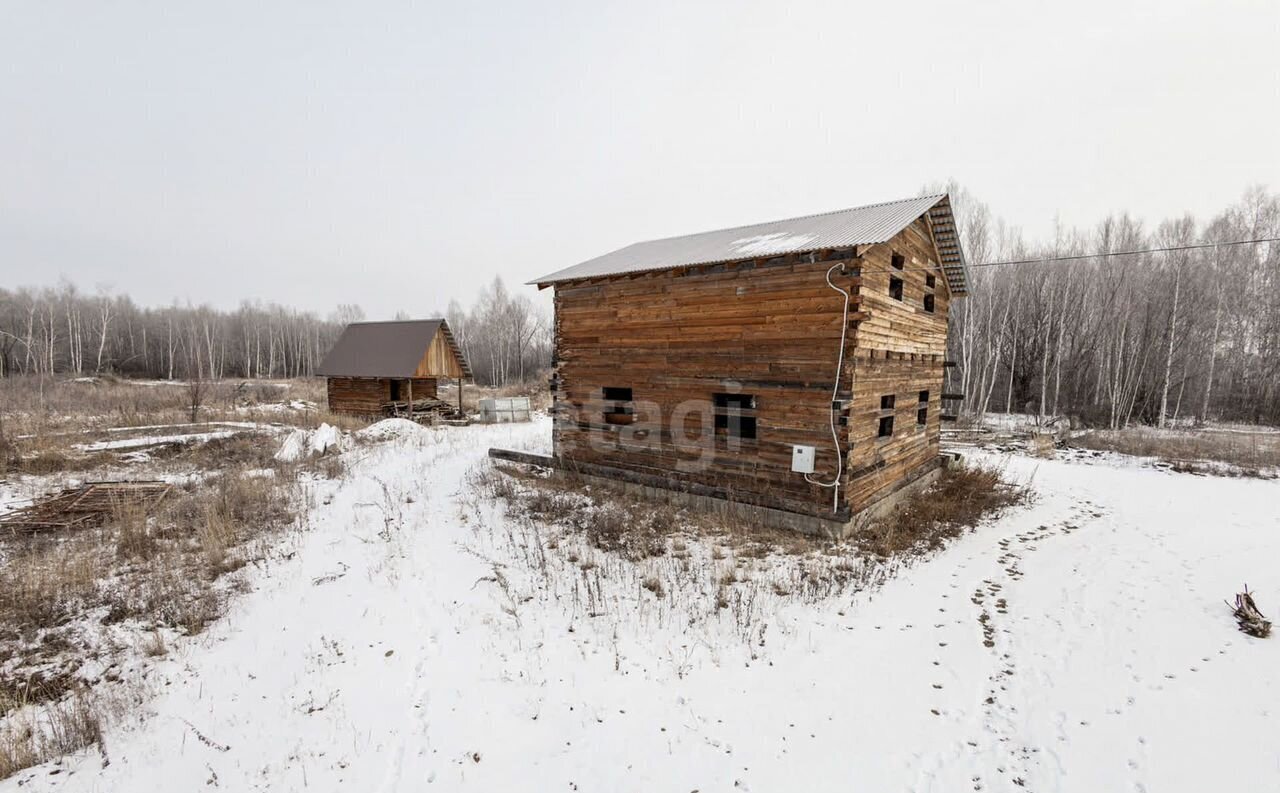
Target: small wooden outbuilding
[[392, 368], [795, 365]]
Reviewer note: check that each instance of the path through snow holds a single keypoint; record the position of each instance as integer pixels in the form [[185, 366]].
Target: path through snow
[[1080, 644]]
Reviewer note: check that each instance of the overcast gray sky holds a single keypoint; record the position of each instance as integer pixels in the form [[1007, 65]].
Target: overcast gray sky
[[397, 154]]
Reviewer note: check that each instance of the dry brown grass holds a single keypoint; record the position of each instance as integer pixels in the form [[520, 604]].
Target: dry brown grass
[[47, 405], [961, 498], [244, 450], [160, 574], [159, 571], [43, 419], [48, 583], [154, 568], [620, 524], [594, 545], [36, 735], [1249, 453], [618, 520], [42, 455]]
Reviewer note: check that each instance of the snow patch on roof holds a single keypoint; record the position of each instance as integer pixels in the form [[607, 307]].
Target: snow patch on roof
[[777, 242]]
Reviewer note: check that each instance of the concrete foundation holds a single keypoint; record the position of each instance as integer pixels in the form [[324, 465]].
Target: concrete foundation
[[836, 527]]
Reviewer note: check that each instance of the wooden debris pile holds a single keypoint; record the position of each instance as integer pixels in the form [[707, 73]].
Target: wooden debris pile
[[1249, 617], [427, 410], [80, 507]]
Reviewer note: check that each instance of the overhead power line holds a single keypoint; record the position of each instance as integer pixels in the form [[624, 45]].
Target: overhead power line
[[1085, 256], [1173, 249]]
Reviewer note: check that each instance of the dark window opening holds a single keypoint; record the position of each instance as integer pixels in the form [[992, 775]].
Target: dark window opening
[[928, 303], [733, 415], [735, 425], [924, 397], [618, 408], [887, 401], [922, 416], [886, 427], [738, 401], [898, 261], [395, 390], [930, 281], [895, 288]]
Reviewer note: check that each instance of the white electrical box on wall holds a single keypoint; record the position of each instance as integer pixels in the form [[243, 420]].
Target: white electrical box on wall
[[802, 459]]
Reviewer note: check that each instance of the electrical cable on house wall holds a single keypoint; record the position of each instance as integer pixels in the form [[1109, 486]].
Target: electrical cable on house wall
[[835, 392]]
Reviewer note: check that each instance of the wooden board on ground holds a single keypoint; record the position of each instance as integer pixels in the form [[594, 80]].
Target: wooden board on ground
[[80, 507]]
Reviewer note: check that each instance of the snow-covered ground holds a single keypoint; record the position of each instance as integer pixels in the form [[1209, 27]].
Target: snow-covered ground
[[1078, 644]]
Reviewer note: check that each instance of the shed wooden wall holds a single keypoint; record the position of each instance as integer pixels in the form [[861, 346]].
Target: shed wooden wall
[[366, 395], [767, 329], [440, 360]]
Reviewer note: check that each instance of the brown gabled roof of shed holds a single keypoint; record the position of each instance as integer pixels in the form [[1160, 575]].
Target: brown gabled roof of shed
[[387, 349]]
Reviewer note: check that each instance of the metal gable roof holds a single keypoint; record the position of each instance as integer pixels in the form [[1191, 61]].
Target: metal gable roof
[[385, 349], [866, 225]]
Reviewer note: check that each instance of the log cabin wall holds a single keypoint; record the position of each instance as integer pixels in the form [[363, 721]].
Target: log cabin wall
[[675, 339], [899, 352], [770, 331], [365, 396], [423, 388], [359, 395]]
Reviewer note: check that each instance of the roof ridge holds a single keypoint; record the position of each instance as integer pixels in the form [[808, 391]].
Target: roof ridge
[[395, 321], [935, 196], [868, 224]]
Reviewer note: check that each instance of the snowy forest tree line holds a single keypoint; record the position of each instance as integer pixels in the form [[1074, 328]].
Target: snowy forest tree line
[[64, 330], [1148, 337]]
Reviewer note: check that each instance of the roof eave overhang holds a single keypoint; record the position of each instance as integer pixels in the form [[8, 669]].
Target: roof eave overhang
[[946, 238], [942, 220], [688, 266]]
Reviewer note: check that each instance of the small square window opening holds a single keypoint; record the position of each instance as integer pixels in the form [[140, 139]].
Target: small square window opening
[[886, 427], [618, 408], [734, 415]]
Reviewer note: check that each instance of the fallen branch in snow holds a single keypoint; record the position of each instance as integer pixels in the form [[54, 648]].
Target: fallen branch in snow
[[206, 740], [1249, 617]]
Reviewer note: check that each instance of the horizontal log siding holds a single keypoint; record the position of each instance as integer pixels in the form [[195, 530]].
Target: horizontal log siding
[[672, 338], [900, 350], [365, 396], [774, 331]]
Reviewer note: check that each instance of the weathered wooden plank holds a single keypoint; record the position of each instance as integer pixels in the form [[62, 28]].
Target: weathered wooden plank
[[675, 338]]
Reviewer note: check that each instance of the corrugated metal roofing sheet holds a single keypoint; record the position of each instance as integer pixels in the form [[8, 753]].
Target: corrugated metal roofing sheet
[[385, 349], [866, 225]]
